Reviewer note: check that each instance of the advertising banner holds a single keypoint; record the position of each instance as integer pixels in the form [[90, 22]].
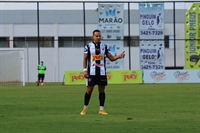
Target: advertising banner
[[152, 36], [115, 48], [111, 25], [114, 77], [74, 78], [171, 76], [192, 36], [124, 76]]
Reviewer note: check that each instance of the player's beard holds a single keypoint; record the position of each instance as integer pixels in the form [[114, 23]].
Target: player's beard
[[97, 41]]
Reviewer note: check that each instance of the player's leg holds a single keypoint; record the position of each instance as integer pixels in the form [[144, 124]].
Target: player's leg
[[87, 96], [38, 82], [90, 83], [102, 82], [42, 79]]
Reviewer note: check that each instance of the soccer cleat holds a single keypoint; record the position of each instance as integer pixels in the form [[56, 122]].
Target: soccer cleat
[[102, 112], [84, 111]]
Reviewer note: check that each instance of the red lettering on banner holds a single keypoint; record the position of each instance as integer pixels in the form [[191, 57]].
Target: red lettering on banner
[[158, 78], [180, 76], [79, 77], [108, 77], [131, 76]]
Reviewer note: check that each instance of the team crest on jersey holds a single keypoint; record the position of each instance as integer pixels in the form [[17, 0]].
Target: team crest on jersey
[[85, 49], [89, 79], [97, 57]]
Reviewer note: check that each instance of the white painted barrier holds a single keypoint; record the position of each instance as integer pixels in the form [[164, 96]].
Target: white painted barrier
[[171, 76]]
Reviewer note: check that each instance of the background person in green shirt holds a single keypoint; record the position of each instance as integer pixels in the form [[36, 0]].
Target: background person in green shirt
[[41, 73]]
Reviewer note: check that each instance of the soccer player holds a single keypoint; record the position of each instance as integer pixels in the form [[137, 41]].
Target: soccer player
[[95, 69], [41, 73]]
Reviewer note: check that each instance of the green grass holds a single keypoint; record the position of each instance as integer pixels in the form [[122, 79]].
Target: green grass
[[136, 108]]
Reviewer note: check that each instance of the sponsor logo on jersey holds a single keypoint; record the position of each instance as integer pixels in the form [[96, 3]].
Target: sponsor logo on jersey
[[98, 65], [97, 57]]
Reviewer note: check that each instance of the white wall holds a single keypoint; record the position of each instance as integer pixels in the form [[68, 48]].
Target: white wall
[[59, 60], [5, 30], [70, 59]]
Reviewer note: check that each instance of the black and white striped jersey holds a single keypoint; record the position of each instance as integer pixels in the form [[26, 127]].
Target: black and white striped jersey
[[96, 58]]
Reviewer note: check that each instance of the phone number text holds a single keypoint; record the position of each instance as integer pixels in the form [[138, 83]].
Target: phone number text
[[155, 32], [152, 67]]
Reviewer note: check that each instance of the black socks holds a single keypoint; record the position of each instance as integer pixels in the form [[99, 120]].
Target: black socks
[[87, 98], [102, 98]]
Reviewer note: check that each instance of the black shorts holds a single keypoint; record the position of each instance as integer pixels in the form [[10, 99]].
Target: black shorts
[[96, 80], [41, 76]]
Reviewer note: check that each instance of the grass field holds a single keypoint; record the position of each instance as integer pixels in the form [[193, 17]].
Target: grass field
[[136, 108]]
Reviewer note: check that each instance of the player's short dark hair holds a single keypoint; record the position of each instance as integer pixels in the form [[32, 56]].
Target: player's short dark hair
[[95, 31]]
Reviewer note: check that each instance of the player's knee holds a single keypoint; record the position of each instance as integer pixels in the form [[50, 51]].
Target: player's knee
[[89, 92], [101, 91], [89, 89]]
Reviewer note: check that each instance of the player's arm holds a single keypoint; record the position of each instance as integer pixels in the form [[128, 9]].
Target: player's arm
[[85, 56], [85, 71], [38, 68], [114, 58], [111, 57], [85, 59]]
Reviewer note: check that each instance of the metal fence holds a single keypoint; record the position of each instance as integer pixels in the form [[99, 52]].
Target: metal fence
[[85, 16]]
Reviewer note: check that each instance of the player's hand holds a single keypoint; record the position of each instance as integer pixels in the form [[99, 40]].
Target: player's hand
[[85, 74], [122, 55]]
